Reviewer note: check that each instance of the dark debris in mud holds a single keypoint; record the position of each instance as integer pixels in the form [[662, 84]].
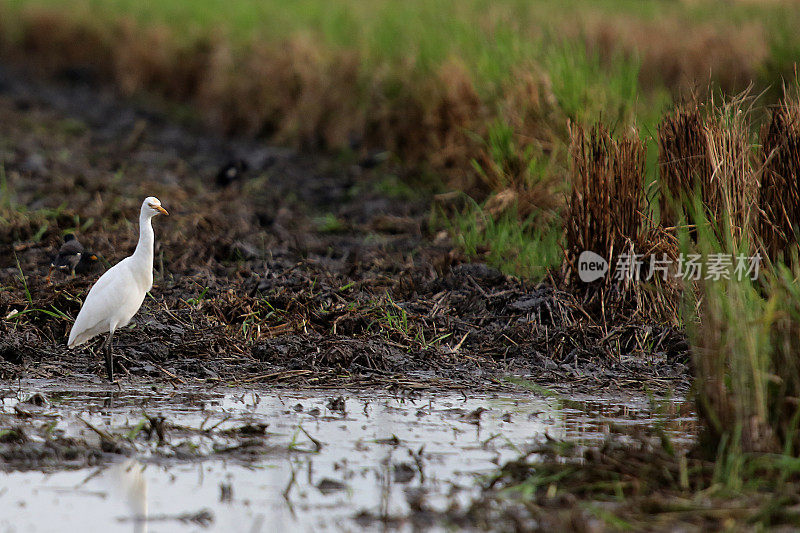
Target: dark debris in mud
[[23, 448], [40, 438], [298, 272]]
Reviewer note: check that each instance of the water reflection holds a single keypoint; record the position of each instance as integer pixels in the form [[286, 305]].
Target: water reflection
[[129, 484], [321, 461]]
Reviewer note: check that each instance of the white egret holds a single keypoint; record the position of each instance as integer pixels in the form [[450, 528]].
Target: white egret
[[119, 293]]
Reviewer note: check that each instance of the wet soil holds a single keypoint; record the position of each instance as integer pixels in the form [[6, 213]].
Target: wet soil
[[274, 266]]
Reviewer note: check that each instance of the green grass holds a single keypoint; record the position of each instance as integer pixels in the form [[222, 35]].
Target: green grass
[[391, 317], [744, 338], [54, 313], [491, 39], [330, 223], [23, 280], [197, 301], [514, 247], [5, 194], [394, 187], [587, 89]]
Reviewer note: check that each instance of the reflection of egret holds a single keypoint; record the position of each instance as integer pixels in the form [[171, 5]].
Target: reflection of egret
[[128, 480], [119, 293]]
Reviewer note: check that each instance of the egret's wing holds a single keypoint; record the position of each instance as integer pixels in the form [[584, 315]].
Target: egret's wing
[[102, 303]]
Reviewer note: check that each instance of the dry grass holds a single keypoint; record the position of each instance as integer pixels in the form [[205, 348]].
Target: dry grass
[[294, 92], [705, 151], [748, 191], [607, 206], [298, 88], [730, 194], [682, 159], [291, 92], [608, 213], [729, 57], [639, 481], [779, 194], [745, 342]]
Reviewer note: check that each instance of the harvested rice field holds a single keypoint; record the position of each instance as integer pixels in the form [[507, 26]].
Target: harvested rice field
[[422, 266]]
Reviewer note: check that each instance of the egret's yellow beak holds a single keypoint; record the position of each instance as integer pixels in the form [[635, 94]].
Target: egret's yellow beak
[[160, 209]]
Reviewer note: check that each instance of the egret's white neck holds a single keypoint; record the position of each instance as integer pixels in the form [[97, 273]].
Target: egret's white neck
[[144, 249]]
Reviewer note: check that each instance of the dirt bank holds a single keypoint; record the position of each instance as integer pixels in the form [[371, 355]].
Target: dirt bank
[[299, 269]]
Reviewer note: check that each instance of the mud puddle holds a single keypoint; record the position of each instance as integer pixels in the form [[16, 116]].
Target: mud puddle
[[234, 460]]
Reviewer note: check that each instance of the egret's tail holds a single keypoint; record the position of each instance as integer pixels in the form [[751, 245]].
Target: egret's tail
[[73, 340], [76, 338], [85, 328]]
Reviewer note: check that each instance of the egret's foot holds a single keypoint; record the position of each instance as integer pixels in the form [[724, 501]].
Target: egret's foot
[[110, 366], [109, 356]]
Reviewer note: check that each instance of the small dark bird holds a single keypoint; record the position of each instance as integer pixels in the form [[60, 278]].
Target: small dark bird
[[231, 171], [72, 258], [86, 264]]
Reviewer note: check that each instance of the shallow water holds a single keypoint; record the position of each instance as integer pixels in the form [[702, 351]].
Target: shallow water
[[376, 457]]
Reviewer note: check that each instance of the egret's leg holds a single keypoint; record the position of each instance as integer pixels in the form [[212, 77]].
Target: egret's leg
[[109, 357]]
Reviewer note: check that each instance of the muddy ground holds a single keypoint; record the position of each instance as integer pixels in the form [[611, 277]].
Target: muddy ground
[[303, 270]]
